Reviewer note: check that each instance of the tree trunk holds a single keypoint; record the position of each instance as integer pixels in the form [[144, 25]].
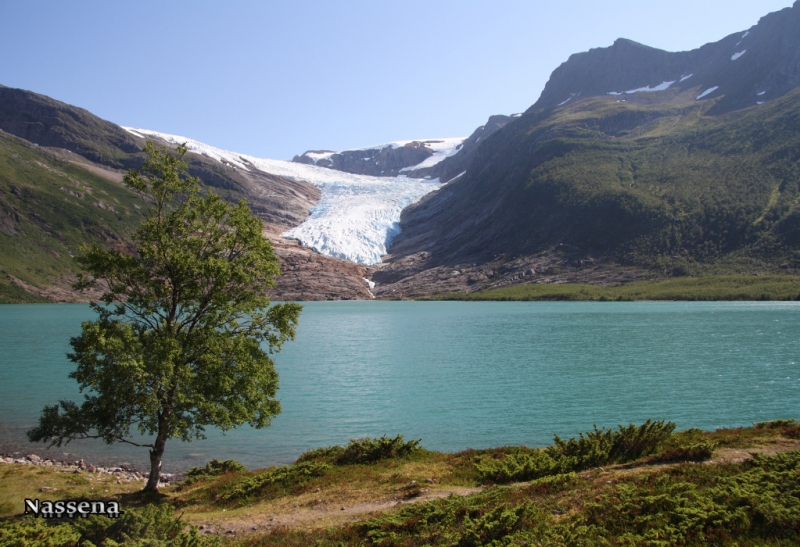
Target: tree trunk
[[155, 464]]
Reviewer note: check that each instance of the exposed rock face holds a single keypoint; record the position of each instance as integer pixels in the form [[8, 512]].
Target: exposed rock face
[[536, 182], [394, 160], [282, 203], [450, 168], [740, 67], [385, 161], [417, 275], [79, 137], [308, 275], [47, 122]]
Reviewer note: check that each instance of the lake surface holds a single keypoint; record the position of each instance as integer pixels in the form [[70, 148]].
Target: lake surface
[[457, 374]]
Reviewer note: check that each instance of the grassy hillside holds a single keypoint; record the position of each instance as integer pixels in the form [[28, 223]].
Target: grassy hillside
[[653, 182], [633, 486], [49, 207], [691, 187], [709, 288]]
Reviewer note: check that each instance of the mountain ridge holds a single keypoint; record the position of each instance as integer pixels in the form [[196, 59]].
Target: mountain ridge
[[767, 61], [633, 163], [612, 176]]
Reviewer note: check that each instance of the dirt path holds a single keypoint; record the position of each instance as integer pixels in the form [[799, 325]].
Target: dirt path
[[320, 514], [736, 455], [308, 511]]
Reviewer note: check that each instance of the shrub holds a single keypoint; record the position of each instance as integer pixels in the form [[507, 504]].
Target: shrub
[[278, 478], [468, 521], [789, 428], [495, 525], [327, 454], [517, 467], [776, 424], [742, 504], [366, 450], [698, 452], [593, 449], [605, 446], [37, 532], [214, 468], [152, 526]]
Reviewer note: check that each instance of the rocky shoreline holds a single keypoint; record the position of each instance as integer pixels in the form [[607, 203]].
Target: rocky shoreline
[[123, 473]]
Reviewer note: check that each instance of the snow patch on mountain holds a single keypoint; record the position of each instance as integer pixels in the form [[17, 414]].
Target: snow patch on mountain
[[441, 148], [660, 87], [223, 156], [647, 89], [737, 55], [357, 215], [707, 91], [316, 156]]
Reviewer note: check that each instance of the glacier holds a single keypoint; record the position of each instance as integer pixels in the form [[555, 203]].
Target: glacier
[[357, 215]]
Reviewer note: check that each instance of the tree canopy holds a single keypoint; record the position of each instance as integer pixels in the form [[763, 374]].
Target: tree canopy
[[184, 330]]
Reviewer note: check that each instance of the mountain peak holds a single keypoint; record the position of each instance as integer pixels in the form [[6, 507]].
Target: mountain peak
[[743, 69], [625, 42]]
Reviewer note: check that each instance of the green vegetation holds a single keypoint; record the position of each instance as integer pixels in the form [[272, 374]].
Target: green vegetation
[[657, 496], [214, 468], [178, 342], [593, 449], [754, 502], [656, 185], [275, 481], [151, 526], [366, 450], [675, 191], [49, 207], [730, 287]]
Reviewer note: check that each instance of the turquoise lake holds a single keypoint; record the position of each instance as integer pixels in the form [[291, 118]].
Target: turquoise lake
[[457, 374]]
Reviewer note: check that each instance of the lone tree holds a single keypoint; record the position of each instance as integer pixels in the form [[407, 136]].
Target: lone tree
[[183, 323]]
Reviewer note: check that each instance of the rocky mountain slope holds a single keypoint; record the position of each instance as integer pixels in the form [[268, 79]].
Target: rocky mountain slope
[[741, 70], [61, 169], [633, 163], [47, 122], [385, 160], [443, 159], [621, 170]]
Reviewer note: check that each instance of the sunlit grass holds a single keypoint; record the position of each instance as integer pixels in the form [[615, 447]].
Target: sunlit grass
[[711, 288]]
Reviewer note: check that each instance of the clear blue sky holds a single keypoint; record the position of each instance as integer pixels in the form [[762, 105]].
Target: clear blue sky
[[275, 78]]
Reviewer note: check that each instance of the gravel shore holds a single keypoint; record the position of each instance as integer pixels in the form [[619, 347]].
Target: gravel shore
[[122, 473]]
